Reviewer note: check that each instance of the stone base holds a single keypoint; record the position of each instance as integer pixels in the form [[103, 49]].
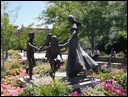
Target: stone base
[[75, 82], [36, 80]]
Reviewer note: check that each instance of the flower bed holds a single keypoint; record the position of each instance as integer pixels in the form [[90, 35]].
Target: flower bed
[[9, 90], [113, 83], [107, 88], [10, 85]]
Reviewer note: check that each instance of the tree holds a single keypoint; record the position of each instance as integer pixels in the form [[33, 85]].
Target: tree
[[7, 29], [99, 18]]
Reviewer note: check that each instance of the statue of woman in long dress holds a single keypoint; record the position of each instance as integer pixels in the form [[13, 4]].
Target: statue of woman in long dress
[[78, 59]]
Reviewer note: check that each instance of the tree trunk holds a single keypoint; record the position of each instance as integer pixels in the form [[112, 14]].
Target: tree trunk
[[3, 59], [92, 41], [92, 45], [6, 56]]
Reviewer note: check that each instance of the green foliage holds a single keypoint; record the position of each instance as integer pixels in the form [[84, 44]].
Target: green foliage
[[56, 88], [106, 43], [13, 52], [13, 42], [3, 74], [99, 18], [23, 37], [14, 71], [7, 29], [28, 91], [98, 90], [15, 65], [40, 36], [42, 68], [122, 80]]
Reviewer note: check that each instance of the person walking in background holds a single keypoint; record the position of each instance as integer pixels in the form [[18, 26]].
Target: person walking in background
[[112, 56], [89, 52], [97, 54]]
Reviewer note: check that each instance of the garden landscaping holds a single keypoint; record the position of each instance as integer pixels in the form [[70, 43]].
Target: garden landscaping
[[113, 81]]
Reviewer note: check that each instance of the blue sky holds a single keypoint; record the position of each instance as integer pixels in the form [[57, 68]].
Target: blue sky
[[28, 11]]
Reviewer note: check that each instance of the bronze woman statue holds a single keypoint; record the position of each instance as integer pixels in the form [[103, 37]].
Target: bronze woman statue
[[78, 59]]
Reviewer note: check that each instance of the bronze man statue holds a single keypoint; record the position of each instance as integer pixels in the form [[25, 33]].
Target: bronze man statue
[[30, 54]]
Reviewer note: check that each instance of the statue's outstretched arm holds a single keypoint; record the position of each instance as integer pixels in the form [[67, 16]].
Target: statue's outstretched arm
[[33, 46]]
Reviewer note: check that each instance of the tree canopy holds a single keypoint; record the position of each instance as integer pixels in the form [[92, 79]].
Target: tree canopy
[[99, 18]]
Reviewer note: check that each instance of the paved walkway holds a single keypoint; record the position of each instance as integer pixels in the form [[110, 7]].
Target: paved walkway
[[40, 56]]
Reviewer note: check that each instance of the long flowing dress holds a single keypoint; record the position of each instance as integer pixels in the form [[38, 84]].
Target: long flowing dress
[[78, 59]]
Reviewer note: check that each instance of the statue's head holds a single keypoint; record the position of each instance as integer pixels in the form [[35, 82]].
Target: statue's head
[[49, 37], [31, 35], [71, 18], [54, 40]]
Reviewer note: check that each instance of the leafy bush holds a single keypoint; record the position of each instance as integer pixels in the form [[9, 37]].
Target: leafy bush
[[14, 63], [56, 88], [98, 90], [108, 73], [43, 68], [14, 66], [13, 52], [122, 80], [3, 74], [14, 71], [105, 44], [28, 91]]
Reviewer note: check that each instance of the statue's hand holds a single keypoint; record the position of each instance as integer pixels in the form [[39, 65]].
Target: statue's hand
[[69, 40], [38, 49]]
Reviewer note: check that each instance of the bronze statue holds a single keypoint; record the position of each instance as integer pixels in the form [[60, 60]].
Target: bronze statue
[[30, 53], [55, 58], [78, 59], [46, 44]]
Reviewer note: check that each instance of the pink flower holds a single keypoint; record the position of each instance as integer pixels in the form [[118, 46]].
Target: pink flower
[[75, 93], [114, 90], [121, 94]]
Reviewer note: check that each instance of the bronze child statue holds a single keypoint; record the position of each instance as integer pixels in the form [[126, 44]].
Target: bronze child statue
[[55, 58], [30, 53], [46, 44]]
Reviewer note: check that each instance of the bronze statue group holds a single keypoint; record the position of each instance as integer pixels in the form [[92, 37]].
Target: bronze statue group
[[78, 60]]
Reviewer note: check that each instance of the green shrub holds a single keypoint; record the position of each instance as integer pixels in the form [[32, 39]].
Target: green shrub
[[122, 80], [43, 68], [28, 91], [56, 88], [3, 74], [98, 90], [13, 52], [15, 65]]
